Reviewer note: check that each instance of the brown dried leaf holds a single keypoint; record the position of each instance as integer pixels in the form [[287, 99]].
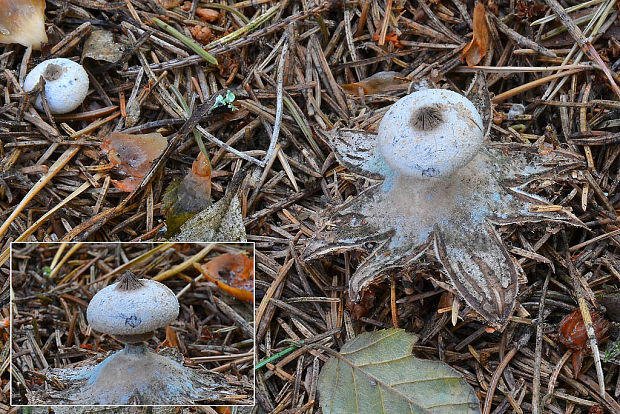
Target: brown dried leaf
[[132, 155], [208, 15], [380, 82], [359, 309], [236, 270], [171, 337], [201, 33], [233, 273], [100, 45], [477, 48]]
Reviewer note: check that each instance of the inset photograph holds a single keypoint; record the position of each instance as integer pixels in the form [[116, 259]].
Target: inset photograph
[[132, 324]]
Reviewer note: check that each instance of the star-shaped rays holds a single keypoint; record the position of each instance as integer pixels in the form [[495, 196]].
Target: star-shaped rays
[[396, 219]]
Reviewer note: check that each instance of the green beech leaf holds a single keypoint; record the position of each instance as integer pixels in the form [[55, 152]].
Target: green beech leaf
[[375, 373]]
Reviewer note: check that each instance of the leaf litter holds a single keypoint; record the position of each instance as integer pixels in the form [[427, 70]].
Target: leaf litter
[[54, 183]]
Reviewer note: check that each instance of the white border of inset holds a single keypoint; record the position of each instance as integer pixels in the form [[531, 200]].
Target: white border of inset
[[11, 299]]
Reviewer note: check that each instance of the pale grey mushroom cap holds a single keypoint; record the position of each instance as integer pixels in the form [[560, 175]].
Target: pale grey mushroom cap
[[66, 84], [430, 134], [142, 308]]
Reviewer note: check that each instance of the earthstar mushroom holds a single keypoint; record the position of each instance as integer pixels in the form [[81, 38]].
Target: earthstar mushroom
[[131, 309], [436, 182], [66, 84]]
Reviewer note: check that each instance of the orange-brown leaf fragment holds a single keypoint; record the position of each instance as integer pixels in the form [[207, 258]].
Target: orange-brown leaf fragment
[[477, 48], [233, 273], [132, 155], [380, 82], [362, 307], [208, 15], [392, 38], [201, 33], [573, 334], [171, 337]]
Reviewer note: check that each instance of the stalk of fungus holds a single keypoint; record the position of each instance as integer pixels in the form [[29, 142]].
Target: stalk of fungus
[[22, 21]]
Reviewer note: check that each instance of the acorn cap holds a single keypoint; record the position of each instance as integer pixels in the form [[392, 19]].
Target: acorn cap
[[430, 133], [132, 307]]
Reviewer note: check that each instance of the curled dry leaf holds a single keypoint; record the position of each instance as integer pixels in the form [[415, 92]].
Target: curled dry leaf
[[366, 302], [479, 44], [573, 334], [22, 21], [233, 273], [380, 82], [182, 200], [208, 15], [132, 155], [201, 33]]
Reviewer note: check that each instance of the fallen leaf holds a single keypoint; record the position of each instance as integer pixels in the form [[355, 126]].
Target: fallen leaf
[[23, 22], [100, 45], [171, 337], [208, 15], [380, 82], [445, 302], [202, 34], [220, 222], [479, 44], [235, 269], [376, 373], [132, 155], [233, 273], [572, 332], [169, 4], [182, 200], [365, 303]]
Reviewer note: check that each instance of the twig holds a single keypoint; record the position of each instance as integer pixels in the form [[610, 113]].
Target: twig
[[536, 402], [522, 88], [583, 43], [587, 320]]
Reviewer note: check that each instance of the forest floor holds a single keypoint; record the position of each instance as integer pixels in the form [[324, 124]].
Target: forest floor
[[298, 69]]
